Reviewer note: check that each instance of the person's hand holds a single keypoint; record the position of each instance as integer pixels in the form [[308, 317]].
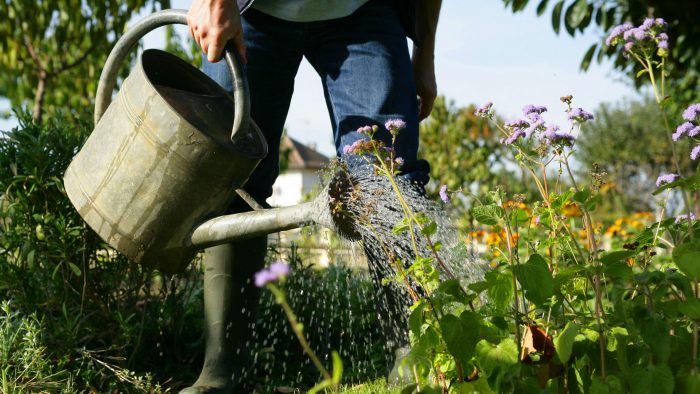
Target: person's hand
[[213, 23], [424, 77]]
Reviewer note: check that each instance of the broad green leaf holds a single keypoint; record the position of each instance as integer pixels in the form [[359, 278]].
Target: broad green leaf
[[655, 333], [401, 227], [499, 289], [460, 335], [690, 308], [535, 279], [687, 258], [488, 214], [581, 196], [656, 379], [564, 342], [495, 359], [688, 382]]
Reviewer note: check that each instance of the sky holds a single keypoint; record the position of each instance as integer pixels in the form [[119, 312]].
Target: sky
[[483, 53]]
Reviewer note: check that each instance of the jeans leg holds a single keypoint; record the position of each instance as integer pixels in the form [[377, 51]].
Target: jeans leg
[[367, 77], [230, 298]]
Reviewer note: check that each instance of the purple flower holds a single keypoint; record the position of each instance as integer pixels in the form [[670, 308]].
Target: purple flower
[[277, 271], [628, 46], [517, 124], [661, 23], [529, 109], [484, 110], [366, 130], [616, 32], [694, 132], [395, 125], [537, 220], [695, 152], [513, 137], [688, 217], [536, 123], [662, 44], [579, 115], [354, 148], [553, 136], [647, 24], [682, 129], [665, 178], [443, 194], [692, 112], [399, 161]]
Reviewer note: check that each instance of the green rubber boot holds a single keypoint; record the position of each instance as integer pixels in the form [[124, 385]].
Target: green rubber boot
[[230, 310]]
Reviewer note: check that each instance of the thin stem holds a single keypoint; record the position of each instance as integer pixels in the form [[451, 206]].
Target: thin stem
[[296, 327]]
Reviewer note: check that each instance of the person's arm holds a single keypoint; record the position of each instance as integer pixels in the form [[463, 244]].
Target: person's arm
[[423, 58], [213, 23]]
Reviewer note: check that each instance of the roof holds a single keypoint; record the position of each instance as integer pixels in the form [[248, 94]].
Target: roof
[[302, 156]]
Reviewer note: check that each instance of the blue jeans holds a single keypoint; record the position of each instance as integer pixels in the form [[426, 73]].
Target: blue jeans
[[365, 69]]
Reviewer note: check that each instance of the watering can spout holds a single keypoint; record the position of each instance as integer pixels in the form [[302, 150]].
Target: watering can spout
[[325, 210]]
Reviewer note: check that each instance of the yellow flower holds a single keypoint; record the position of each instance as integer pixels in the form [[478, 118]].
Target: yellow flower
[[570, 210]]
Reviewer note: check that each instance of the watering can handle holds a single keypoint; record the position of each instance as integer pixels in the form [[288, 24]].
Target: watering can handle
[[108, 78]]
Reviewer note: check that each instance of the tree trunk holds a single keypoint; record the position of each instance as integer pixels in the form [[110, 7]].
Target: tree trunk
[[39, 96]]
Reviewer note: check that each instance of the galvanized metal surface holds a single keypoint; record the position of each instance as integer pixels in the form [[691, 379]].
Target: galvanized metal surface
[[160, 160]]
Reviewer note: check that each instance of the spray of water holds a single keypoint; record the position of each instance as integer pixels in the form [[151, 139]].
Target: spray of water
[[362, 315]]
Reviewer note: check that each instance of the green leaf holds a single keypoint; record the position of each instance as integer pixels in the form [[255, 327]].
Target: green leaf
[[488, 214], [687, 258], [581, 196], [429, 229], [499, 289], [519, 5], [657, 379], [461, 335], [542, 7], [655, 333], [556, 16], [496, 359], [690, 308], [401, 227], [76, 270], [617, 255], [576, 13], [564, 342], [586, 62], [337, 369], [416, 319], [535, 279]]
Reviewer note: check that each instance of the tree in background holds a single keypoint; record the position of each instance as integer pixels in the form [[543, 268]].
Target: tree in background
[[683, 63], [465, 154], [52, 51], [626, 141]]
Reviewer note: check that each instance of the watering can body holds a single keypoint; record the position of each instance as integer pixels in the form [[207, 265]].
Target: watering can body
[[162, 157]]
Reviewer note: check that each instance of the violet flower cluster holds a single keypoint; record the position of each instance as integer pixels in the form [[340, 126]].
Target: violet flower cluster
[[443, 194], [690, 128], [533, 123], [650, 35], [666, 178], [274, 273]]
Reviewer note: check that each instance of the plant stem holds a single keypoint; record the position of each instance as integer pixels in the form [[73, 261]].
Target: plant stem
[[296, 327]]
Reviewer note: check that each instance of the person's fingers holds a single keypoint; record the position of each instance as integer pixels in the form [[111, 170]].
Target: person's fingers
[[239, 43], [214, 52]]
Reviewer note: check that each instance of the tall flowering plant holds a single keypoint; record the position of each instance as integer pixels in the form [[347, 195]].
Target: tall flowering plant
[[559, 308]]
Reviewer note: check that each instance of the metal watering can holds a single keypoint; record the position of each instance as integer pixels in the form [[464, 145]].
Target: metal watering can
[[168, 155]]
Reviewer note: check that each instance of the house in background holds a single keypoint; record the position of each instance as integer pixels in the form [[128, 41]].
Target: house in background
[[303, 174]]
